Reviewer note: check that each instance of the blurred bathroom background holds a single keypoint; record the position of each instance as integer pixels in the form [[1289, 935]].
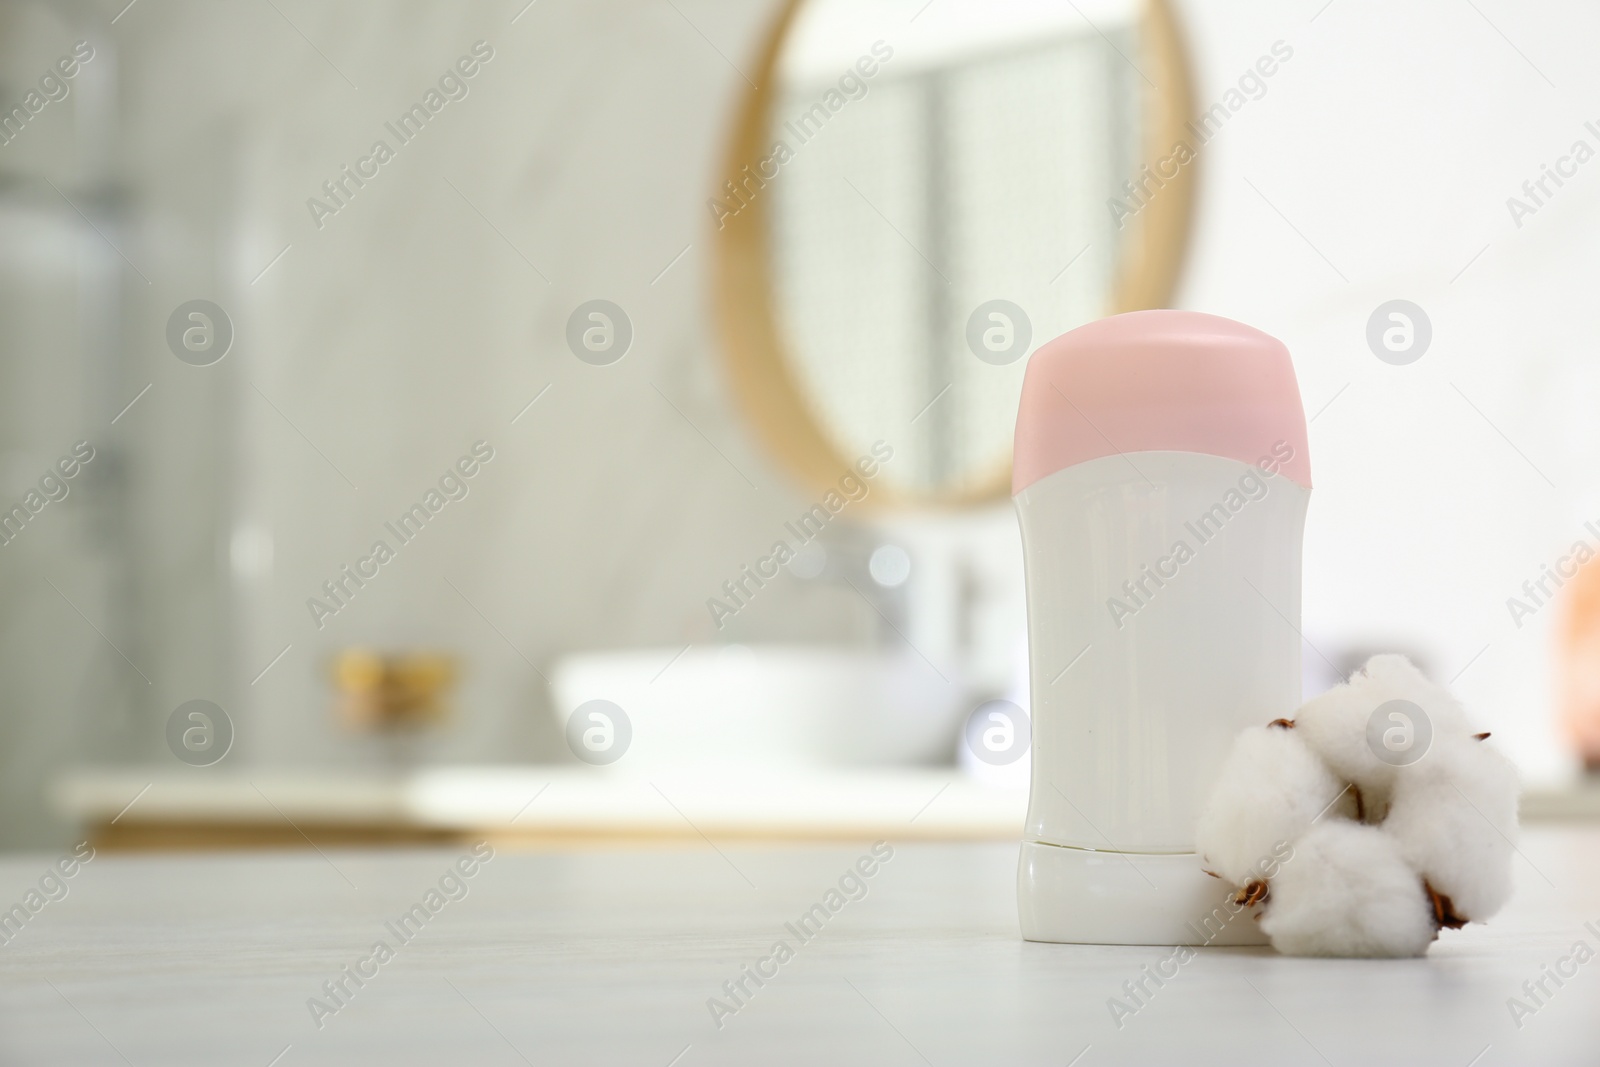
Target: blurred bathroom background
[[420, 322]]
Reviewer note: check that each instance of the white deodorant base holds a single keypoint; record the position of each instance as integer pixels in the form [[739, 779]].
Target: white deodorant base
[[1083, 897]]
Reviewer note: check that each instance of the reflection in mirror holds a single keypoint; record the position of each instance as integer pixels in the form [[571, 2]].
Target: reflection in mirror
[[935, 199]]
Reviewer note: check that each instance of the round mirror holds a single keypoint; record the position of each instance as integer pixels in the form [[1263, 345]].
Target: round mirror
[[916, 197]]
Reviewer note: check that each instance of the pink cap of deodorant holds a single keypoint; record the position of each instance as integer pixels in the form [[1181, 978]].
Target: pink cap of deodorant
[[1160, 381]]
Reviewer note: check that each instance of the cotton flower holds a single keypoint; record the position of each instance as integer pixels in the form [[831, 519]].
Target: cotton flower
[[1454, 816], [1335, 724], [1270, 789], [1396, 820], [1347, 891]]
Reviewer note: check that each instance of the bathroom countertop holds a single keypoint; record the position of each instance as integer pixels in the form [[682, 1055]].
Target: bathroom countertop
[[135, 807], [609, 957]]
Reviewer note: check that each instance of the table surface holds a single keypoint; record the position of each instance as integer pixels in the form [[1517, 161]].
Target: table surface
[[610, 957]]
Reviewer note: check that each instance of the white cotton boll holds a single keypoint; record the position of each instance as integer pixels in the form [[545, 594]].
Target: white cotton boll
[[1347, 891], [1268, 791], [1393, 677], [1454, 816], [1335, 723]]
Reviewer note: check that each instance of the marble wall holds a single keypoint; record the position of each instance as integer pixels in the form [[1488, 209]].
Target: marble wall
[[386, 340]]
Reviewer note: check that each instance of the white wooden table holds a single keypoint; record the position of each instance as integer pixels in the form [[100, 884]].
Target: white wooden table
[[609, 957]]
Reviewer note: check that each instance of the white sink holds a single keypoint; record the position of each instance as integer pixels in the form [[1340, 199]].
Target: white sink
[[742, 707]]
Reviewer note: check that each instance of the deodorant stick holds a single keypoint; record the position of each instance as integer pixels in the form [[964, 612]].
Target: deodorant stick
[[1161, 481]]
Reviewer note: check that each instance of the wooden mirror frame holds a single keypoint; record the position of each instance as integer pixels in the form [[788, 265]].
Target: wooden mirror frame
[[756, 354]]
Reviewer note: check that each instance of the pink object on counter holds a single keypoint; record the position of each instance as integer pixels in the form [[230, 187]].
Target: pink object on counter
[[1160, 381]]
